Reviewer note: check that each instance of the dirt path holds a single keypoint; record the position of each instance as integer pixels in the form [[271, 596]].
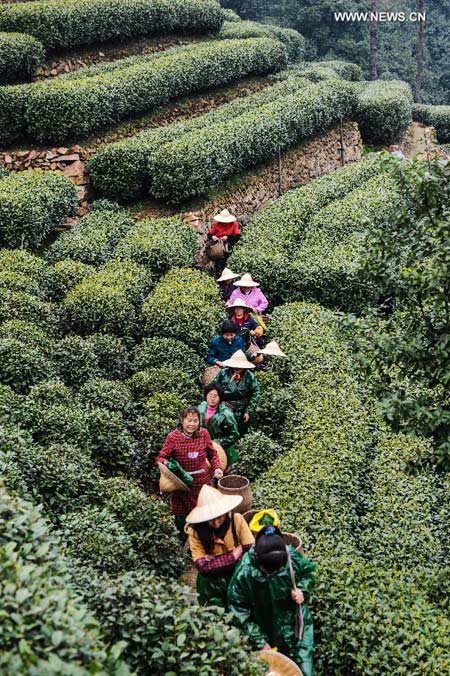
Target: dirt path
[[418, 140]]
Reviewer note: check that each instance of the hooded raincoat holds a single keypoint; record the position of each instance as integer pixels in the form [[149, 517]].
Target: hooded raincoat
[[263, 608], [222, 427], [241, 396]]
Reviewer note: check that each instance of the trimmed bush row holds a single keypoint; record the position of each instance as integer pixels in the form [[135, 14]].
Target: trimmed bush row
[[184, 305], [63, 107], [122, 170], [319, 70], [20, 56], [280, 228], [200, 160], [46, 628], [327, 266], [329, 489], [31, 204], [70, 23], [294, 42], [384, 111], [435, 116]]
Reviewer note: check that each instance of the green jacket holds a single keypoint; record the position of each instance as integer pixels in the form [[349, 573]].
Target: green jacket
[[222, 427], [262, 606], [243, 396]]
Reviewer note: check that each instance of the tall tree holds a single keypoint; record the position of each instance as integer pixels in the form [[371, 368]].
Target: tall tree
[[373, 42], [419, 53]]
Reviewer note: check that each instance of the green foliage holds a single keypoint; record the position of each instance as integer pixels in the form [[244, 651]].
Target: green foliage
[[280, 228], [20, 56], [112, 355], [257, 452], [184, 305], [46, 628], [107, 301], [23, 271], [273, 405], [162, 412], [149, 524], [408, 259], [62, 25], [110, 442], [102, 96], [64, 275], [107, 394], [26, 332], [201, 159], [22, 364], [292, 40], [31, 204], [145, 384], [436, 116], [75, 360], [231, 16], [173, 353], [93, 239], [24, 306], [165, 630], [384, 111], [159, 245]]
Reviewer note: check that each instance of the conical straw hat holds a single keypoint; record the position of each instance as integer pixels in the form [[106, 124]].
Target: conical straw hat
[[238, 361], [169, 482], [272, 349], [279, 664], [246, 280], [227, 274], [238, 302], [224, 217], [211, 504]]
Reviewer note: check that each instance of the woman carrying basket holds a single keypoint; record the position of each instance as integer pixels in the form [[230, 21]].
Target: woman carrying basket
[[218, 539], [219, 420]]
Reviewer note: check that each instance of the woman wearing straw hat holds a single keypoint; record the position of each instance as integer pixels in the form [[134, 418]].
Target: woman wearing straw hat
[[219, 420], [225, 283], [241, 388], [225, 228], [191, 447], [217, 539], [249, 291], [268, 597]]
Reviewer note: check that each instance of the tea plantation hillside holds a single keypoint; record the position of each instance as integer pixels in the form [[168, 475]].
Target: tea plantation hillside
[[117, 118]]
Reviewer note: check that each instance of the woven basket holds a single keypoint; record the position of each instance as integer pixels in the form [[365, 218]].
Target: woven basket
[[234, 484], [215, 251], [295, 541], [209, 374]]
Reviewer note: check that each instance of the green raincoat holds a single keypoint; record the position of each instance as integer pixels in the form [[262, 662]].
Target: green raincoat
[[242, 397], [263, 607], [222, 427]]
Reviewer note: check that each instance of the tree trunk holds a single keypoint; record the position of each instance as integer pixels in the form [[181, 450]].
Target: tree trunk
[[373, 38], [419, 53]]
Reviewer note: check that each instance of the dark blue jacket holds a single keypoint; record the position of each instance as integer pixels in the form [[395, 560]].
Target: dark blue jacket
[[220, 349]]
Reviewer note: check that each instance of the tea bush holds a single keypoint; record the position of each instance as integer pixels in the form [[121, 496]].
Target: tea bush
[[173, 353], [23, 365], [45, 628], [162, 412], [93, 239], [75, 360], [112, 354], [82, 103], [107, 301], [257, 452], [62, 25], [159, 245], [25, 332], [23, 271], [31, 204], [201, 159], [145, 384], [26, 307], [294, 42], [20, 56], [184, 305], [107, 394], [111, 444], [436, 116], [64, 275], [384, 111]]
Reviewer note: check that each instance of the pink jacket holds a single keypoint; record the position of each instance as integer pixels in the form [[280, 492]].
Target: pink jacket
[[255, 298]]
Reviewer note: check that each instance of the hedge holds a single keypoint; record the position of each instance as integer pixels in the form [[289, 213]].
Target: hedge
[[140, 609], [93, 239], [64, 275], [121, 170], [107, 301], [24, 306], [294, 42], [230, 15], [72, 107], [384, 111], [184, 305], [281, 226], [21, 270], [159, 245], [20, 56], [170, 352], [23, 365], [71, 23], [164, 379], [201, 159], [32, 203], [327, 267], [46, 628], [435, 116], [322, 70]]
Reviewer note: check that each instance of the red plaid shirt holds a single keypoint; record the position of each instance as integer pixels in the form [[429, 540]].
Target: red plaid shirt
[[191, 453]]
